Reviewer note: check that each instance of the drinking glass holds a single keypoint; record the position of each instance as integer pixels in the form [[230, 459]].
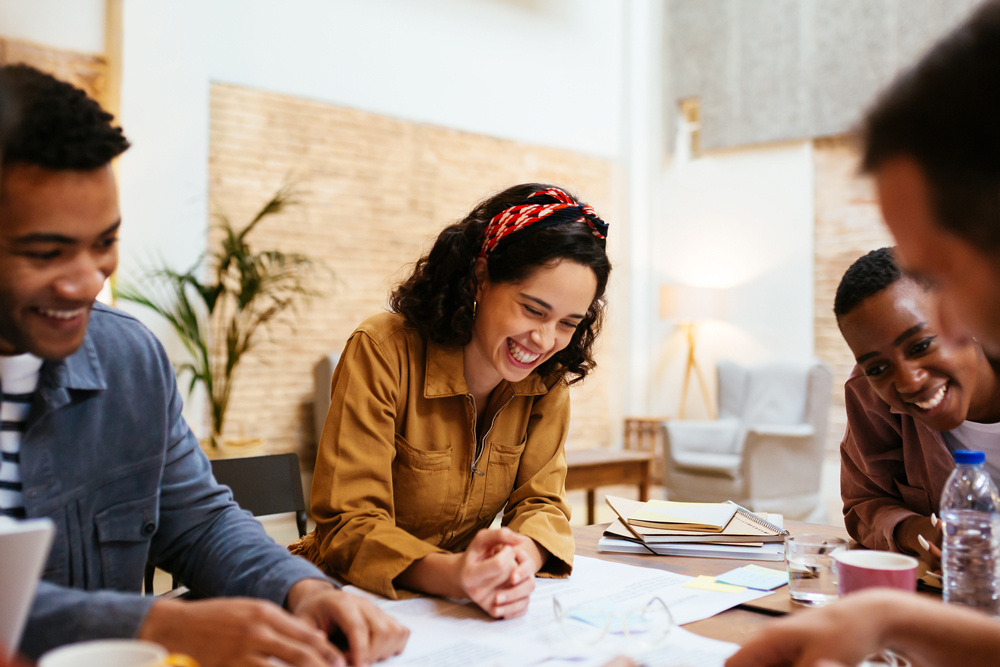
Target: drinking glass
[[812, 575]]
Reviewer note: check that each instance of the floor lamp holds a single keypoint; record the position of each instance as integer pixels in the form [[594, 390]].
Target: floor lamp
[[689, 306]]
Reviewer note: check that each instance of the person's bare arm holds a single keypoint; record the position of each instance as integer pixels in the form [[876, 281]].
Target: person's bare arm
[[922, 629]]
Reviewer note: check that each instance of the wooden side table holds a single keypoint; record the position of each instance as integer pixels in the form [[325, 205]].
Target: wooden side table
[[592, 468]]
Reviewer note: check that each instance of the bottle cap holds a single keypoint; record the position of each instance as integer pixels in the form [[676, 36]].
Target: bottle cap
[[969, 456]]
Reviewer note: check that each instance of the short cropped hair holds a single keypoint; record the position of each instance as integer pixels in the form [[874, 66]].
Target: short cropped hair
[[944, 114], [866, 277], [58, 126]]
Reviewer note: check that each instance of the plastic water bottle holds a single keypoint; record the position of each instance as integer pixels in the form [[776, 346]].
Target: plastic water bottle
[[970, 512]]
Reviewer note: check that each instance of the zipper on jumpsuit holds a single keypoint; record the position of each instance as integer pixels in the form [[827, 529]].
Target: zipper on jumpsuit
[[480, 446]]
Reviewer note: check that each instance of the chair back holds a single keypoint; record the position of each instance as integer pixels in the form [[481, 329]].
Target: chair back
[[776, 392], [732, 388], [263, 485]]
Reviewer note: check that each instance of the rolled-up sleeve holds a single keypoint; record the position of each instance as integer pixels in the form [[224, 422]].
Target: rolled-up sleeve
[[871, 462], [537, 507], [352, 497], [202, 537], [205, 539]]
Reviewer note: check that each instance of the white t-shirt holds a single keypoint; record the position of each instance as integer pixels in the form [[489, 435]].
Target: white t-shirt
[[980, 437]]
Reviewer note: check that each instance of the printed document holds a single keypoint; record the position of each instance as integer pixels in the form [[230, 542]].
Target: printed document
[[445, 633]]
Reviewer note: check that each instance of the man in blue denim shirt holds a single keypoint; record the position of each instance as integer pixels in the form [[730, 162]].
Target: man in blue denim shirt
[[104, 450]]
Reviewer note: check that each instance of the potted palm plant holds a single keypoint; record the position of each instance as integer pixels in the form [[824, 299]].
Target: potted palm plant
[[218, 320]]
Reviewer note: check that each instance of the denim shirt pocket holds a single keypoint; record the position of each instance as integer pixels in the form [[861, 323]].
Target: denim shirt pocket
[[501, 473], [124, 532]]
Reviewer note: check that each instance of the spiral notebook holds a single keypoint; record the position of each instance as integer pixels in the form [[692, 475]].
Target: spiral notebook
[[745, 526]]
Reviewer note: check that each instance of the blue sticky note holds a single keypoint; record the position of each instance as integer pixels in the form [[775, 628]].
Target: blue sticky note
[[757, 578]]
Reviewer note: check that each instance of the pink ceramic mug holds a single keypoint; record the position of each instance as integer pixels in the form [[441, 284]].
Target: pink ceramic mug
[[860, 569]]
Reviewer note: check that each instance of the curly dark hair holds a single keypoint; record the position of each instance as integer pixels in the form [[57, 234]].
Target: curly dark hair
[[943, 113], [866, 277], [438, 297], [57, 126]]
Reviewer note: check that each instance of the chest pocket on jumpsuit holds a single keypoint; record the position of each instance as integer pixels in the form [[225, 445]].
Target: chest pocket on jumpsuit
[[501, 473]]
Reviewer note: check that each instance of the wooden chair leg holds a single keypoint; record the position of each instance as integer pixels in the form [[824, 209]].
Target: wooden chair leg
[[644, 486], [591, 509]]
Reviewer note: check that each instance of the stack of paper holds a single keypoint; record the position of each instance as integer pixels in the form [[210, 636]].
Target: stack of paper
[[744, 535]]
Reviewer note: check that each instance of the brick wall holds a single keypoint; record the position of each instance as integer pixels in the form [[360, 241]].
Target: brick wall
[[377, 191], [848, 225]]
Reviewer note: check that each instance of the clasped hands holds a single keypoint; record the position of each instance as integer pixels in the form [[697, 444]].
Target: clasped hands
[[497, 572], [241, 632]]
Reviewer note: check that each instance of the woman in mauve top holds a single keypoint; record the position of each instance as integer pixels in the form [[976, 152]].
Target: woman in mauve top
[[913, 398]]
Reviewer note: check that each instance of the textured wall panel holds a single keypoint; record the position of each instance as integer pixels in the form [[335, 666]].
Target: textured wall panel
[[774, 70]]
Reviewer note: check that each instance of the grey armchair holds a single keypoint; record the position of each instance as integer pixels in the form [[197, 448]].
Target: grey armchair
[[765, 451]]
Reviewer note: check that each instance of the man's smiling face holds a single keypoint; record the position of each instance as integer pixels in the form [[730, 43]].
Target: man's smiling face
[[58, 234]]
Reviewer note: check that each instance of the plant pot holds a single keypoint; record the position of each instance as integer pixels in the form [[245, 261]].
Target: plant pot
[[233, 447]]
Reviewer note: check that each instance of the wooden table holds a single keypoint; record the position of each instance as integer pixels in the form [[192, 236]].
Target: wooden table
[[734, 625], [593, 468]]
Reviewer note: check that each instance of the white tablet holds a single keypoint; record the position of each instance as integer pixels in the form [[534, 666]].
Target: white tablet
[[24, 547]]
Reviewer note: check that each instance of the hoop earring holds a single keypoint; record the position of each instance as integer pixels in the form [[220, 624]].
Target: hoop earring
[[474, 303]]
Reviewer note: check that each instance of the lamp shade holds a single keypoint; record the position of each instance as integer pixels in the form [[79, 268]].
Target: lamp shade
[[683, 302]]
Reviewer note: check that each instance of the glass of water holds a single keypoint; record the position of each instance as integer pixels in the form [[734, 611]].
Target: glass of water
[[812, 574]]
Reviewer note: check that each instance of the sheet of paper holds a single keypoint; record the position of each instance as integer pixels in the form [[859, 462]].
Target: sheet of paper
[[752, 576], [680, 649], [707, 583], [440, 628]]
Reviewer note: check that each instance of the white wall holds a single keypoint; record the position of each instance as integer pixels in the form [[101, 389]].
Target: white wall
[[541, 71], [75, 25], [740, 220]]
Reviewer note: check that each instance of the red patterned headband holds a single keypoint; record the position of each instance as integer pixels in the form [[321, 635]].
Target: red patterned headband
[[542, 209]]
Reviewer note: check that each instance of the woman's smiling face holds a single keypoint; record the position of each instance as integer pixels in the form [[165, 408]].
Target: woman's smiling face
[[893, 337], [520, 325]]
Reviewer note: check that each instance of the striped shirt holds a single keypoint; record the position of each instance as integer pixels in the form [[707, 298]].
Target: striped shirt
[[18, 380]]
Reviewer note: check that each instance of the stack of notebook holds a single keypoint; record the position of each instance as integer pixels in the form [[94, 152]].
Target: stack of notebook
[[710, 530]]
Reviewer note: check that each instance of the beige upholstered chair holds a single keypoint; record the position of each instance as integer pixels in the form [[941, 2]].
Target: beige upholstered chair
[[765, 451]]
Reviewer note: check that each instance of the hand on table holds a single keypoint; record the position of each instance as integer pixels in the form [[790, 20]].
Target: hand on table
[[921, 536], [371, 634], [497, 571], [841, 632], [237, 632], [924, 630]]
